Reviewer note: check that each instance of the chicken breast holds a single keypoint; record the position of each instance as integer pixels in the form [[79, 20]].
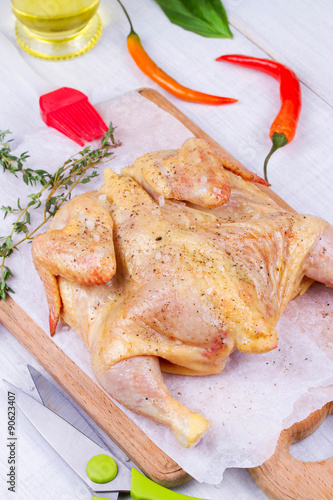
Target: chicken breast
[[173, 265]]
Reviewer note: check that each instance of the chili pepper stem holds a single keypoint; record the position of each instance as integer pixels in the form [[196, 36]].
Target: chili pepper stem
[[278, 140], [128, 17]]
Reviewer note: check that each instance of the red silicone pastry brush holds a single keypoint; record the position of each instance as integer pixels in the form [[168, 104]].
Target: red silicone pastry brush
[[69, 111]]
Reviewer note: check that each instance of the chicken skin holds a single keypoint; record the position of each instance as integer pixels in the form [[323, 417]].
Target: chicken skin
[[176, 263]]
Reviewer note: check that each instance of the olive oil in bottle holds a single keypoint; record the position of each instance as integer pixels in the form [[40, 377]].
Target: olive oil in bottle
[[56, 29]]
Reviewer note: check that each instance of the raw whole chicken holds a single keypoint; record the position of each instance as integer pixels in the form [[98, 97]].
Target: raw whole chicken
[[173, 265]]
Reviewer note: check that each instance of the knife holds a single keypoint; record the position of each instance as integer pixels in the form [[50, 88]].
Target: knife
[[62, 405], [92, 463]]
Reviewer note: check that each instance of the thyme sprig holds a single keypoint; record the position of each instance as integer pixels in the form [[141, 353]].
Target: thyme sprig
[[14, 164], [58, 186]]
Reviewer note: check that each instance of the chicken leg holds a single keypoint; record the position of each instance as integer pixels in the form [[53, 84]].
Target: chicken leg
[[137, 383]]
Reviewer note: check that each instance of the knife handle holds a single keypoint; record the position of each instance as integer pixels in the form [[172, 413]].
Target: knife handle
[[143, 488]]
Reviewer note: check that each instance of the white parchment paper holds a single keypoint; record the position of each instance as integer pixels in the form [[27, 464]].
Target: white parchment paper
[[256, 396]]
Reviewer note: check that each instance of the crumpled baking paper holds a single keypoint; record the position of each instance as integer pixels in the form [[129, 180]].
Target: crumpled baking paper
[[256, 396]]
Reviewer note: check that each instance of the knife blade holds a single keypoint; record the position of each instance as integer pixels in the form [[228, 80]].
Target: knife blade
[[74, 447], [55, 400], [78, 451]]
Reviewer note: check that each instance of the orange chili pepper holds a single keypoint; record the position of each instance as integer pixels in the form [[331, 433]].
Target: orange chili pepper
[[283, 128], [149, 68]]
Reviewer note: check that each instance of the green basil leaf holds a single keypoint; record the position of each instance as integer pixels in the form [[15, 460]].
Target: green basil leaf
[[207, 18]]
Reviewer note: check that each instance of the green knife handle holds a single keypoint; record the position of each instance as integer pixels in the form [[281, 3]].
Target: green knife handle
[[143, 488]]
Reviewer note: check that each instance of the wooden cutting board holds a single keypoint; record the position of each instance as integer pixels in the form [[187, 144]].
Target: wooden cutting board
[[281, 477]]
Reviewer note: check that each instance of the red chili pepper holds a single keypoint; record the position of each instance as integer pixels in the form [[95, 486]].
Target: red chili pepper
[[147, 66], [283, 128]]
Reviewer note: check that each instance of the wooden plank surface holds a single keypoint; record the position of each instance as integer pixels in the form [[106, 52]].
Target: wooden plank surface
[[305, 50], [138, 447]]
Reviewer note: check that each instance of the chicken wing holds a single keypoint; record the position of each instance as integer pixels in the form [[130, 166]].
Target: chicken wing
[[78, 245]]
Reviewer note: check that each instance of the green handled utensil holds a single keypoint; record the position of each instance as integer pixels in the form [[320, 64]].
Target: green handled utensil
[[95, 466], [143, 488]]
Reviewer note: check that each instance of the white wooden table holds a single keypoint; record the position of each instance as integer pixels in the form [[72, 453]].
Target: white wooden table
[[297, 33]]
